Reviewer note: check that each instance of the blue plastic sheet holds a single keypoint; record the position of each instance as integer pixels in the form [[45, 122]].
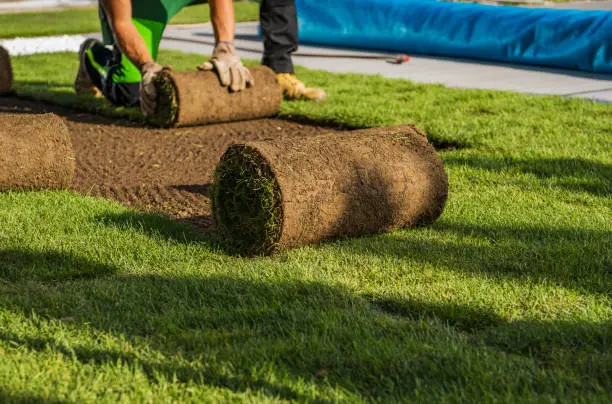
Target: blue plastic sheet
[[571, 39]]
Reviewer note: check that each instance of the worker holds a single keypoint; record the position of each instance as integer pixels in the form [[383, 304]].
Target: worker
[[279, 26], [123, 68], [124, 73]]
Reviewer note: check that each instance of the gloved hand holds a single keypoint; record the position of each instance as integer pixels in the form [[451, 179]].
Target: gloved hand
[[148, 93], [229, 68]]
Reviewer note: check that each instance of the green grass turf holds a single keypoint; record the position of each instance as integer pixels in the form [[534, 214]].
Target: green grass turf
[[85, 20], [246, 203], [507, 297]]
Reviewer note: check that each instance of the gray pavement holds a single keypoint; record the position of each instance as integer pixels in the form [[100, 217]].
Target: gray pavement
[[450, 72], [582, 5]]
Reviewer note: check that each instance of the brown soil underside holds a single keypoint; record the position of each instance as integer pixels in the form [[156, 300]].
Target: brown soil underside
[[157, 170], [35, 152]]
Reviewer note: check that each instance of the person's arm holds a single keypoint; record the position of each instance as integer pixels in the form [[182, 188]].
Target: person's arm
[[223, 20], [128, 39], [224, 60]]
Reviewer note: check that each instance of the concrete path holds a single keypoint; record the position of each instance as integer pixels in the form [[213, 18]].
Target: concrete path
[[451, 72], [582, 5]]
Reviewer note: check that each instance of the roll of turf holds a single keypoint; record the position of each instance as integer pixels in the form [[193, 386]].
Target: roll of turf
[[6, 72], [35, 152], [197, 98], [274, 194]]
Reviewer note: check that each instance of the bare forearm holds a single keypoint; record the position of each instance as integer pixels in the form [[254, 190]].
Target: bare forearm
[[131, 44], [222, 16], [126, 35]]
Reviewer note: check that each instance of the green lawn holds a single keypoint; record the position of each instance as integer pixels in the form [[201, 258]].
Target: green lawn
[[85, 20], [506, 298]]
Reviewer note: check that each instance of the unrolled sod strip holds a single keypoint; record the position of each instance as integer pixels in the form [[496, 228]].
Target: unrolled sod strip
[[275, 194], [35, 152], [197, 98], [6, 72]]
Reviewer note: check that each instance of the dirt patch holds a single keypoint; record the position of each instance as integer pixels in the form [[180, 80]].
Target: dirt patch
[[35, 152], [158, 170], [280, 193], [6, 72], [196, 98]]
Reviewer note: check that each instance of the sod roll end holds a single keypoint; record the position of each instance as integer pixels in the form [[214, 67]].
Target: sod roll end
[[6, 72], [274, 194], [197, 98], [35, 152]]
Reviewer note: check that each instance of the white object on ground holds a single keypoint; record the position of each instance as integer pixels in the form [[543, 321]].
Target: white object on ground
[[46, 44], [43, 4]]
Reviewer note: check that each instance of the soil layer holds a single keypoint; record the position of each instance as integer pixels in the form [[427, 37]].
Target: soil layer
[[197, 98], [6, 72], [35, 152], [295, 191], [159, 170]]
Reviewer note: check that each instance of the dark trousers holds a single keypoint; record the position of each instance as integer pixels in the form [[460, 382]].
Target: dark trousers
[[278, 19]]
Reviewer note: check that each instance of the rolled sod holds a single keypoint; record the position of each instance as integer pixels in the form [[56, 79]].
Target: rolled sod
[[6, 72], [272, 194], [197, 98], [35, 152]]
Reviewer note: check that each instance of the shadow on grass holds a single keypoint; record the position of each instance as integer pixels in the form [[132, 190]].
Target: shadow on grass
[[587, 345], [15, 397], [17, 265], [575, 174], [464, 318], [280, 336], [569, 257], [157, 225]]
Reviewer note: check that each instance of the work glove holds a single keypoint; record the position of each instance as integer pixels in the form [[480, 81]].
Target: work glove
[[229, 68], [148, 92]]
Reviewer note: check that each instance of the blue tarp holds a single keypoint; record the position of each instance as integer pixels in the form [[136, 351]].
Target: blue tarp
[[571, 39]]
